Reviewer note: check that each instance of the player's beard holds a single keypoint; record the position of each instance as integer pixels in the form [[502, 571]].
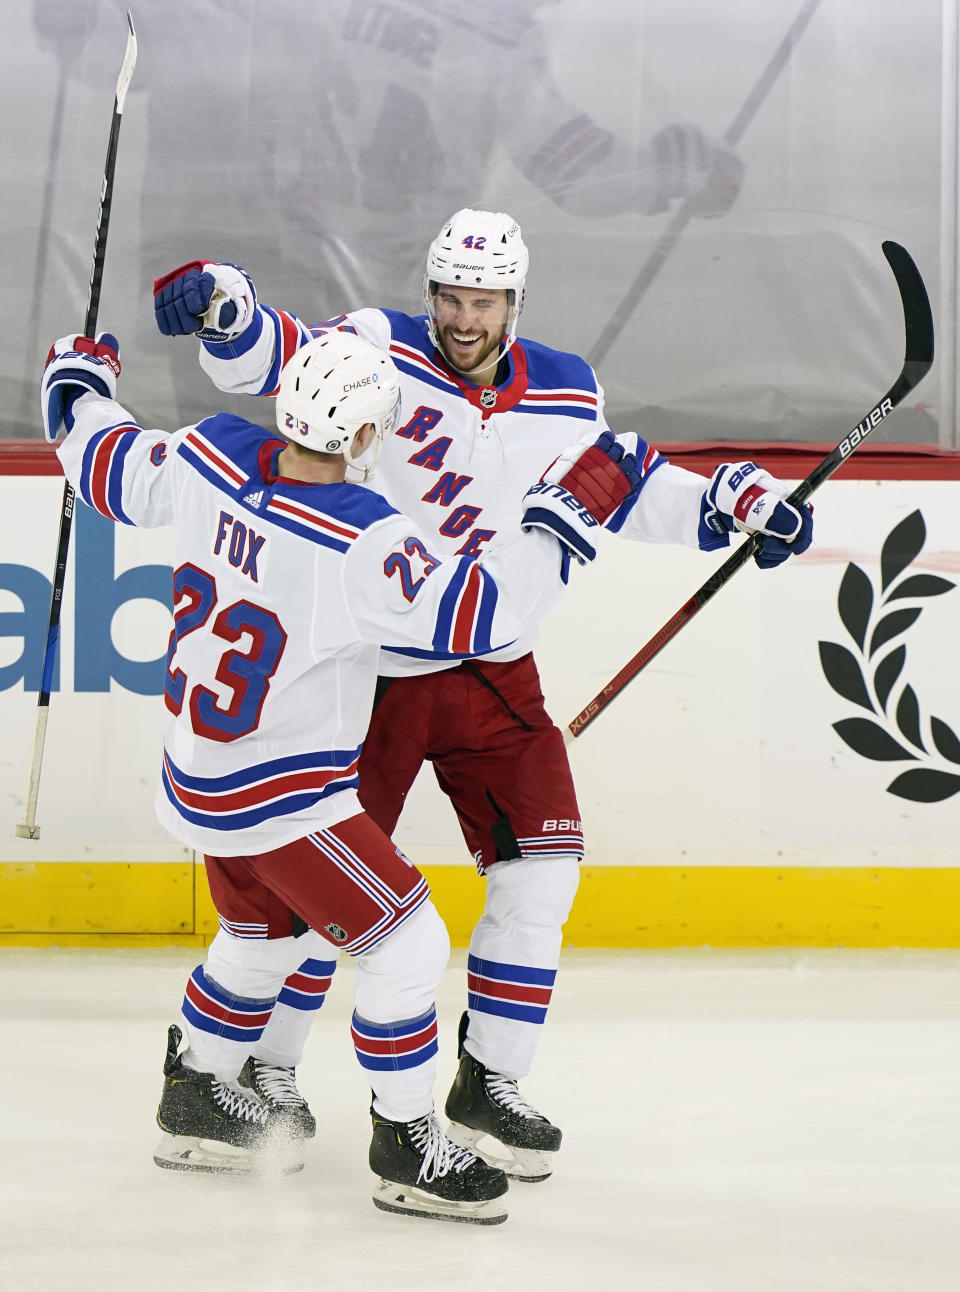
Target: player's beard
[[481, 355]]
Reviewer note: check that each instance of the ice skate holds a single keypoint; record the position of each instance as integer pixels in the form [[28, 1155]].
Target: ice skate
[[489, 1115], [277, 1087], [423, 1174], [220, 1126]]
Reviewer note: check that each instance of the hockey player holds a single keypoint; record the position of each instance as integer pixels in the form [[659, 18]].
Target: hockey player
[[286, 581], [483, 410]]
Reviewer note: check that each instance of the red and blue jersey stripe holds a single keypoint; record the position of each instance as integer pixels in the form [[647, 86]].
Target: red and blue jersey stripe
[[289, 335], [101, 473], [562, 402], [466, 611], [211, 463], [245, 798]]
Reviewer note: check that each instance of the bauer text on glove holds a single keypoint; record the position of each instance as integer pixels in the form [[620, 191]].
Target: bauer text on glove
[[742, 495], [211, 301], [580, 491], [76, 365]]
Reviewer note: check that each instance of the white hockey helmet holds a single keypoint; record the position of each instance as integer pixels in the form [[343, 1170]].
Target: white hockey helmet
[[478, 249], [331, 387]]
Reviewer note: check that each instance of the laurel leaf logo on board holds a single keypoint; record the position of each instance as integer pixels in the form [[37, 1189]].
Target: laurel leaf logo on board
[[871, 674]]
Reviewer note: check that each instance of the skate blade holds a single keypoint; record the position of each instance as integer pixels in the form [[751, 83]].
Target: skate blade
[[189, 1153], [407, 1200], [530, 1165]]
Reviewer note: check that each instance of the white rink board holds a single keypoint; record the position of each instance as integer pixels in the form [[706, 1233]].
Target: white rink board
[[721, 752]]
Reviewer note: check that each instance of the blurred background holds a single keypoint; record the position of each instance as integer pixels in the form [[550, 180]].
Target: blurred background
[[321, 144]]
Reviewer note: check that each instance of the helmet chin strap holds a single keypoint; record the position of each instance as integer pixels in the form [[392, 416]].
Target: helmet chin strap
[[362, 467]]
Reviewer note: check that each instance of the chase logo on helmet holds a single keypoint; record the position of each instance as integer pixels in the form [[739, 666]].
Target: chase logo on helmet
[[364, 381]]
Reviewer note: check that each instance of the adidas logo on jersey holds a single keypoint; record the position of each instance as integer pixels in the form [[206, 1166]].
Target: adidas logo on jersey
[[254, 499]]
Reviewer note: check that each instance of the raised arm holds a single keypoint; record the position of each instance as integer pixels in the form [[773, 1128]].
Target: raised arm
[[115, 466]]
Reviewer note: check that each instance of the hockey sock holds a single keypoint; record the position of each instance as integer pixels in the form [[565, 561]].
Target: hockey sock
[[513, 959]]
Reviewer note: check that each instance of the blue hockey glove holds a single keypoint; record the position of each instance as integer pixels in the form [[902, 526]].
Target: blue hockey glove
[[774, 551], [742, 495], [580, 491], [213, 302], [76, 366]]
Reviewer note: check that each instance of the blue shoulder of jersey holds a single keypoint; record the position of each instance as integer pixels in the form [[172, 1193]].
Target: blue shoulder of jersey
[[237, 439], [332, 514], [410, 330], [550, 369], [357, 506]]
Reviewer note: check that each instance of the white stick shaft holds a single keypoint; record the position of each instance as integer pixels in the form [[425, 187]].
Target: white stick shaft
[[28, 828]]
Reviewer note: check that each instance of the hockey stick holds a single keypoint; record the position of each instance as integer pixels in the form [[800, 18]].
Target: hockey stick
[[28, 828], [918, 326], [28, 398], [687, 209]]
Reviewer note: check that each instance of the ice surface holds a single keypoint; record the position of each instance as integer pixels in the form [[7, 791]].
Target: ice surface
[[733, 1122]]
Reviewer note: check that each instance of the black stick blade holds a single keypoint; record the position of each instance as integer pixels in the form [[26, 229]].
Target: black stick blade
[[917, 317]]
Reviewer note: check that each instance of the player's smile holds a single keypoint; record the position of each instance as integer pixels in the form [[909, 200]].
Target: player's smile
[[460, 344]]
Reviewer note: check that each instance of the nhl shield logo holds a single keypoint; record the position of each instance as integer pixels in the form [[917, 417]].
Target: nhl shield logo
[[488, 397], [336, 932]]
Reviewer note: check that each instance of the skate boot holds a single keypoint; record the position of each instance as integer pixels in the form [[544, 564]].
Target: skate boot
[[489, 1115], [211, 1125], [277, 1087], [423, 1174]]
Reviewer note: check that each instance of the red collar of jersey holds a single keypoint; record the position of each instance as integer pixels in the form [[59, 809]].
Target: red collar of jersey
[[492, 399], [267, 455]]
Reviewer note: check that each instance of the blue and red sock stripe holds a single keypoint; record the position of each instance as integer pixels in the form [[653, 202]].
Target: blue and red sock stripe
[[210, 1008], [307, 988], [395, 1047], [520, 992]]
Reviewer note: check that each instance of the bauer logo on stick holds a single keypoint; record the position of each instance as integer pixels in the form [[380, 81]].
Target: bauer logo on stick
[[869, 423]]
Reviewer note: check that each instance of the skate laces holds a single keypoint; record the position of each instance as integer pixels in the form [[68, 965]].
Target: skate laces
[[440, 1155], [236, 1101], [503, 1091], [277, 1085]]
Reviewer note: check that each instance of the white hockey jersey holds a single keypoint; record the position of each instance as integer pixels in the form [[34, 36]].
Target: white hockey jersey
[[282, 594], [463, 457]]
